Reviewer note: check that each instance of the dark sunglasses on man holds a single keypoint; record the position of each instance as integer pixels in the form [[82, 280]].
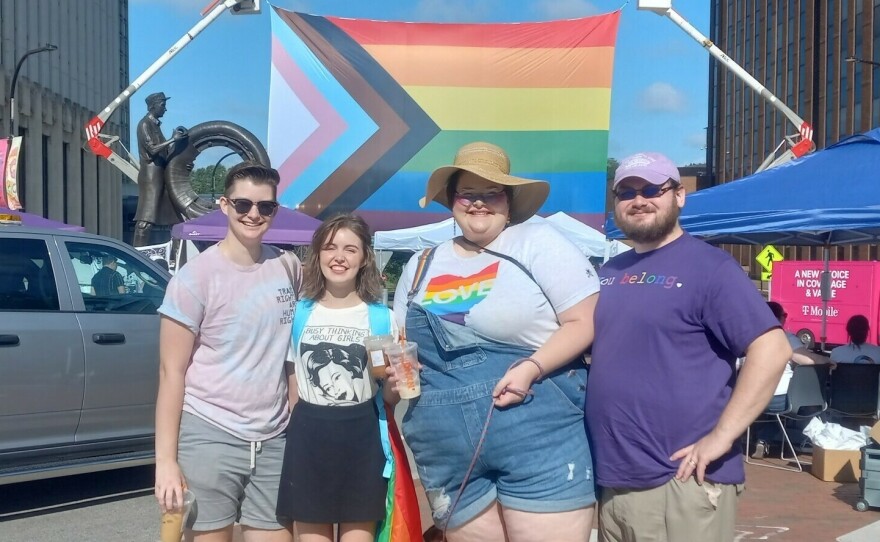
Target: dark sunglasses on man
[[243, 206], [650, 191]]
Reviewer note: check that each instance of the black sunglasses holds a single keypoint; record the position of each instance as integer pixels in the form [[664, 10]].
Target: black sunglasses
[[243, 206], [649, 192]]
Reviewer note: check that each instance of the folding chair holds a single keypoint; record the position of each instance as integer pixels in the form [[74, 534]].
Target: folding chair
[[855, 390], [805, 400]]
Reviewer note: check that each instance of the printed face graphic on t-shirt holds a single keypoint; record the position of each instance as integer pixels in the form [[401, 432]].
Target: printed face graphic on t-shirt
[[335, 370], [451, 296], [335, 380]]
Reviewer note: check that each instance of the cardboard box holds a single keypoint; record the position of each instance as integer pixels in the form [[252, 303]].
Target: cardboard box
[[875, 432], [836, 465]]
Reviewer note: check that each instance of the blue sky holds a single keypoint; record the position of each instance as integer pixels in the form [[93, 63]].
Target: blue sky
[[659, 94]]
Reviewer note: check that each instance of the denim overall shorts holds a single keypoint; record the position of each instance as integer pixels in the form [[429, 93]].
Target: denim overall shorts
[[535, 458]]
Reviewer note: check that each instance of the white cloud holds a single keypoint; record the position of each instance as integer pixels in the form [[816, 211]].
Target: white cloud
[[696, 140], [565, 9], [662, 97]]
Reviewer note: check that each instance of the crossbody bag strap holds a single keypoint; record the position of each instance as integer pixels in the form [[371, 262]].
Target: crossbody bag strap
[[515, 262], [419, 277], [522, 268]]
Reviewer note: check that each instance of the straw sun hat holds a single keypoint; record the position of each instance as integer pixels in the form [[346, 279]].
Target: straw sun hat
[[491, 163]]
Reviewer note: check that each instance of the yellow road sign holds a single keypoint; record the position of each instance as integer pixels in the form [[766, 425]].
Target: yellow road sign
[[765, 276], [767, 256]]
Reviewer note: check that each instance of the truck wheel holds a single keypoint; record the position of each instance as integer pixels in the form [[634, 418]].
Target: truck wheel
[[807, 338], [203, 136], [861, 506]]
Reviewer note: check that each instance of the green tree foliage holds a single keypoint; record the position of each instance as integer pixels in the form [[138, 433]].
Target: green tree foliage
[[609, 196], [611, 168], [395, 267], [202, 181]]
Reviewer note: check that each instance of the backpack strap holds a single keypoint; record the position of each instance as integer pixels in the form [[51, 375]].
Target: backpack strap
[[419, 277], [380, 319], [301, 315], [380, 324]]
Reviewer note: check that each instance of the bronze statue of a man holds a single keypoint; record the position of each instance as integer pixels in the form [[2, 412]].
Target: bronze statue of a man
[[154, 204]]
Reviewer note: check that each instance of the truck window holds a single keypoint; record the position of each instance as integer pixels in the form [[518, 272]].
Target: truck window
[[112, 280], [27, 281]]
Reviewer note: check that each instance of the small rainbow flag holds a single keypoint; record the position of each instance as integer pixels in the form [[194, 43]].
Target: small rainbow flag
[[362, 111], [405, 524]]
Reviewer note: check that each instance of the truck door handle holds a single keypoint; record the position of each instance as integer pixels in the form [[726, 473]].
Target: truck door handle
[[9, 340], [108, 338]]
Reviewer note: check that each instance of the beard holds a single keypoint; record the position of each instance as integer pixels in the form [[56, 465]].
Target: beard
[[648, 233]]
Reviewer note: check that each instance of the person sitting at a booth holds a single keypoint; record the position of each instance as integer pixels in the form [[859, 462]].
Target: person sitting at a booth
[[858, 349], [765, 432]]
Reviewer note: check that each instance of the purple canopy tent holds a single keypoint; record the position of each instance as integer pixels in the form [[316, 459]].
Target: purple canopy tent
[[289, 228], [36, 221]]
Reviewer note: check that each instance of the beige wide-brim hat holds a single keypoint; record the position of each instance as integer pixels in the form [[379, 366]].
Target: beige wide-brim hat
[[491, 163]]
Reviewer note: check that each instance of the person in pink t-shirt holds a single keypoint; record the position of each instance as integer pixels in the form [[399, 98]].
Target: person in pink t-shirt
[[224, 395]]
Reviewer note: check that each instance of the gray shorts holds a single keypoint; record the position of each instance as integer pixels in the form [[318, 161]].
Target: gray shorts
[[232, 479]]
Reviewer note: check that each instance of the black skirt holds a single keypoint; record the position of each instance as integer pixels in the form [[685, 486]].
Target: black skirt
[[333, 465]]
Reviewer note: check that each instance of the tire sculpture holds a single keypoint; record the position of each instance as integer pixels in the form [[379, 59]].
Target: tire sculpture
[[203, 136]]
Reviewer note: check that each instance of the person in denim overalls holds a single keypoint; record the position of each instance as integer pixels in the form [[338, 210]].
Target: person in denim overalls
[[501, 316]]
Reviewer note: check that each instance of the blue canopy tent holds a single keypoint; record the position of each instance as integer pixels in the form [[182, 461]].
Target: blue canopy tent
[[830, 197]]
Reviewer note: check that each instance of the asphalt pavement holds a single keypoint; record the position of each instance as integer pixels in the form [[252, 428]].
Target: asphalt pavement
[[115, 506], [118, 506]]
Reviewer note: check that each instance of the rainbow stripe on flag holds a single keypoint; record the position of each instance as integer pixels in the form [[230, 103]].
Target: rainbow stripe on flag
[[362, 111], [404, 523]]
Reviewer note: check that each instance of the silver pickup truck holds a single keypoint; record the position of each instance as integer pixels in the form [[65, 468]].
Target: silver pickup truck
[[79, 353]]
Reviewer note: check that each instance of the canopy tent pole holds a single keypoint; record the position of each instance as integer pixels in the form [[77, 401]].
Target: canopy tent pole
[[825, 286]]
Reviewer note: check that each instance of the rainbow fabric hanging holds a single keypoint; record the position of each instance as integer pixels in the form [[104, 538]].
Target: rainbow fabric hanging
[[404, 522], [361, 111]]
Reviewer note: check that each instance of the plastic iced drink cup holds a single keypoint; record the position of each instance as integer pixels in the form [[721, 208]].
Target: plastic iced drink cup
[[171, 527], [375, 345], [404, 358]]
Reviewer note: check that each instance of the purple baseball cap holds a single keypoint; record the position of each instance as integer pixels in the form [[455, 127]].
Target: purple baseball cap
[[650, 166]]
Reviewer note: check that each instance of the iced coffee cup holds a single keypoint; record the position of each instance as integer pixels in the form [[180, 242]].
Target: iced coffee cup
[[171, 527], [375, 345], [405, 361]]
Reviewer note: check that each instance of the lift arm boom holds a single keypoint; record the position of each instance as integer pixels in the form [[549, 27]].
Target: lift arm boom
[[800, 144], [98, 142]]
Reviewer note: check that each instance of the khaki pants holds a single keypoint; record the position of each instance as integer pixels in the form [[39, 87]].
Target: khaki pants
[[674, 512]]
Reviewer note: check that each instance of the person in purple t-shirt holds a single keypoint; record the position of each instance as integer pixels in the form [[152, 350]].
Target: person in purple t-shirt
[[664, 406]]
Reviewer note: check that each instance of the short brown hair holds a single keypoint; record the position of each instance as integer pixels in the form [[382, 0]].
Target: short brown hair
[[255, 172], [369, 282]]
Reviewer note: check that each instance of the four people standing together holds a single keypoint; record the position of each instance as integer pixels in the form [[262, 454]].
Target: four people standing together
[[502, 315]]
